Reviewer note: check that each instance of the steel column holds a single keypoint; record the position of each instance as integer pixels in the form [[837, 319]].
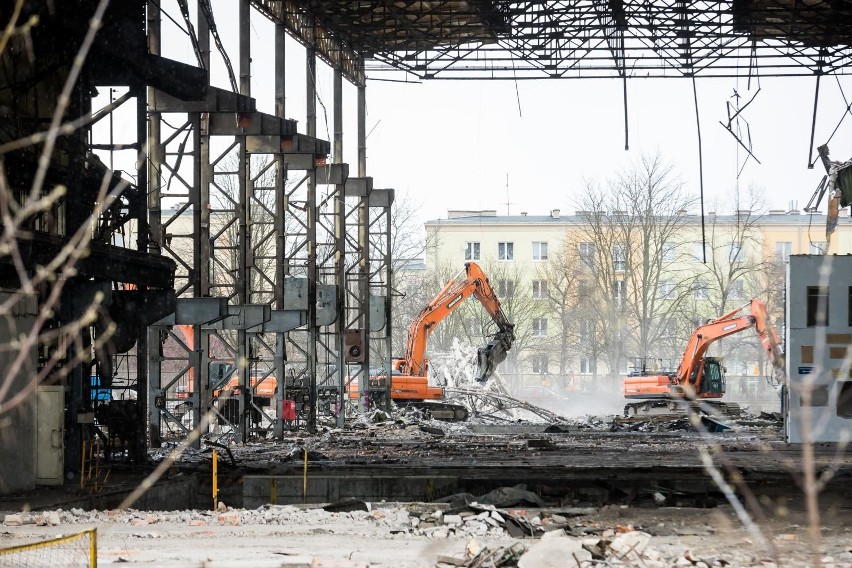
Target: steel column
[[150, 414], [339, 250], [280, 232], [313, 330]]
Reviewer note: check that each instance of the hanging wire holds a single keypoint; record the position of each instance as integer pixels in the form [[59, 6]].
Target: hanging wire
[[207, 10], [193, 37], [700, 170], [845, 112]]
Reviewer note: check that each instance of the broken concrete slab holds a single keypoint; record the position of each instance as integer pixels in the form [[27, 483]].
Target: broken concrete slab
[[557, 552]]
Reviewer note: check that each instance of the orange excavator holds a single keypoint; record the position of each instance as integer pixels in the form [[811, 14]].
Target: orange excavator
[[700, 377], [409, 382]]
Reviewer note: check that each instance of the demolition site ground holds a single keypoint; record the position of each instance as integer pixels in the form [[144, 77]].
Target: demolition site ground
[[404, 491]]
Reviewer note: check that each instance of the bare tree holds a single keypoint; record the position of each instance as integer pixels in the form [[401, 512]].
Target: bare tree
[[632, 231], [560, 280], [736, 269]]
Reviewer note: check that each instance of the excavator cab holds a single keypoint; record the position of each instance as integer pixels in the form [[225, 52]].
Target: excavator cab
[[712, 380]]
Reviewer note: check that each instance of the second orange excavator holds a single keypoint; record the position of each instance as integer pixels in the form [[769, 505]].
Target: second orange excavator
[[409, 374], [700, 377]]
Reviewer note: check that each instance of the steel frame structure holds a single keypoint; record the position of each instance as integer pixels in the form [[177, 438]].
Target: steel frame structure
[[258, 240], [254, 235], [560, 39], [307, 242]]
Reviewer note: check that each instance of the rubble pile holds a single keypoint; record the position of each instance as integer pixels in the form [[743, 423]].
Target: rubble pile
[[558, 549], [475, 535], [540, 536], [765, 422]]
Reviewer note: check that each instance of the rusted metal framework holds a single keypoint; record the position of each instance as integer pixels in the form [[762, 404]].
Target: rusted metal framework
[[559, 39]]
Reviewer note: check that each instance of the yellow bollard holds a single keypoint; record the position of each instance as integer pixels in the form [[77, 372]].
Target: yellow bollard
[[93, 549], [305, 479], [215, 481]]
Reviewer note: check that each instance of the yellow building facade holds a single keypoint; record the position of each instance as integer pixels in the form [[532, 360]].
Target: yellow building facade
[[523, 244]]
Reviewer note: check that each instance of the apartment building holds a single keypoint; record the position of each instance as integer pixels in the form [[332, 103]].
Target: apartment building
[[704, 267]]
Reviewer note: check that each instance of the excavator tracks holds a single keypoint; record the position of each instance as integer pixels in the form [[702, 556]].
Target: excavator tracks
[[675, 406], [440, 410]]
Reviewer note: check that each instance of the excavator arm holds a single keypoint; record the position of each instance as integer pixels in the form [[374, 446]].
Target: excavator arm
[[723, 326], [454, 293]]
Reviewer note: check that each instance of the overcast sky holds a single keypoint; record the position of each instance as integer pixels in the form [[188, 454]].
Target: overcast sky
[[452, 144]]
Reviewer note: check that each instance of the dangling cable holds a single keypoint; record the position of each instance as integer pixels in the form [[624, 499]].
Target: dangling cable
[[700, 170]]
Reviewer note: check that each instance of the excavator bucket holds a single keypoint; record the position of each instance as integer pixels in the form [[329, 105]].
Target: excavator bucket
[[493, 354]]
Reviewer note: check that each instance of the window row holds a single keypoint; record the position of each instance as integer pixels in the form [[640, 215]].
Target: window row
[[506, 289], [667, 290], [618, 252], [733, 250], [783, 249], [505, 250], [539, 362]]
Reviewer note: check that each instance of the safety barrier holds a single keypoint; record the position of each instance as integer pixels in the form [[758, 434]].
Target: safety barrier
[[71, 551]]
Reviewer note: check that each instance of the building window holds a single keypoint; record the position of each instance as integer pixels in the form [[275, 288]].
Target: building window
[[667, 290], [736, 292], [619, 293], [505, 251], [700, 290], [817, 248], [539, 364], [539, 327], [669, 252], [587, 254], [539, 289], [735, 249], [698, 251], [783, 250], [471, 251], [619, 257], [505, 288], [586, 366], [587, 330], [817, 308], [539, 250]]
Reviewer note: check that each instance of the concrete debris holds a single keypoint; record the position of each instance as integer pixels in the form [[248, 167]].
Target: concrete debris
[[13, 520], [630, 544], [555, 553], [487, 557], [628, 549], [765, 421]]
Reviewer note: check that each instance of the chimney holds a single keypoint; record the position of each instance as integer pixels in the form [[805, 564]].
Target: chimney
[[554, 213]]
